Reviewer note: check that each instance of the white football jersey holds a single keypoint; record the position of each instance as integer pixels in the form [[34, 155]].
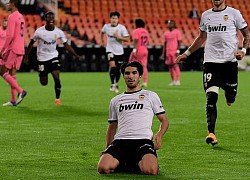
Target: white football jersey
[[221, 28], [47, 42], [134, 113], [113, 45]]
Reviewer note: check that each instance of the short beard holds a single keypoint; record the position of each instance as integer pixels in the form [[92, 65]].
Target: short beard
[[131, 86]]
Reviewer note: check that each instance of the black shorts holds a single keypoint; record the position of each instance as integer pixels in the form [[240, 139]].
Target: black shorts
[[129, 153], [119, 59], [46, 67], [222, 75]]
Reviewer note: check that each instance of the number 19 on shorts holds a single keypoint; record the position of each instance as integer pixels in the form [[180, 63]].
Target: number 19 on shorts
[[207, 77]]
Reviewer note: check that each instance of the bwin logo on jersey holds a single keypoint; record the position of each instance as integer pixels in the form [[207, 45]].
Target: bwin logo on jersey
[[49, 43], [217, 28], [135, 105]]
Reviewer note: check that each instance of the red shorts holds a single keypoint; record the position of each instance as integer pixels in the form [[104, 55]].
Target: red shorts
[[171, 58], [142, 58], [12, 60]]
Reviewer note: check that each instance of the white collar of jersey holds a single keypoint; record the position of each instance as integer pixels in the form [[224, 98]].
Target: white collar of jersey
[[219, 10], [132, 92]]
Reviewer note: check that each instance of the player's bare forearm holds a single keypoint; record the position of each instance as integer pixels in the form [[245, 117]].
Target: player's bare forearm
[[162, 130], [111, 133], [202, 37], [125, 39], [164, 124], [70, 49], [163, 50], [27, 52], [29, 47], [102, 38], [246, 35]]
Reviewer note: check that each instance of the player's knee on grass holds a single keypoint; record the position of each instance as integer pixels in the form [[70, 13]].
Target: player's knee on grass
[[107, 164], [149, 165]]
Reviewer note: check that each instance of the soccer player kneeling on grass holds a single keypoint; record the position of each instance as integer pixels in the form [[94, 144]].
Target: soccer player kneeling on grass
[[132, 147]]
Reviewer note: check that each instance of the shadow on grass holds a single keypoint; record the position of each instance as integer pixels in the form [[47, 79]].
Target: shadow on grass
[[133, 176], [218, 148], [65, 111]]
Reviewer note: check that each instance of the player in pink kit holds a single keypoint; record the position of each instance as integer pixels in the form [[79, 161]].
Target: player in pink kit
[[13, 51], [140, 51], [2, 35], [171, 50]]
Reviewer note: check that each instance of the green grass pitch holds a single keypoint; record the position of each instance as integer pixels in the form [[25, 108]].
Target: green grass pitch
[[39, 140]]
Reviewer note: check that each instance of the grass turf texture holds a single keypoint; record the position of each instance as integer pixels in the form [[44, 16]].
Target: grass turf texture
[[39, 140]]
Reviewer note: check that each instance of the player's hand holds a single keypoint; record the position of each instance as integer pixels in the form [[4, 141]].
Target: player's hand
[[239, 55], [162, 57], [116, 35], [181, 58], [157, 140]]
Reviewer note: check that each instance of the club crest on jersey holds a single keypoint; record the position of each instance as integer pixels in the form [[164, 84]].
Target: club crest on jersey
[[125, 107], [225, 17], [141, 97], [55, 36]]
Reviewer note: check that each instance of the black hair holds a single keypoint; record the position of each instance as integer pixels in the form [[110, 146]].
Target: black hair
[[48, 13], [139, 23], [15, 2], [132, 64], [115, 13], [171, 21]]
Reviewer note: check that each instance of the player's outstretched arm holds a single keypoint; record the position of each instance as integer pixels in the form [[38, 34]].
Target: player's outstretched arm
[[70, 49], [111, 133], [102, 39], [241, 53], [202, 37], [121, 38], [28, 49], [163, 128]]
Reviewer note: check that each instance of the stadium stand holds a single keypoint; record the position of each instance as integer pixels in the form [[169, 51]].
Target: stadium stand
[[84, 18], [155, 12]]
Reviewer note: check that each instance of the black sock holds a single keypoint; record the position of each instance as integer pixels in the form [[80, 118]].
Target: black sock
[[211, 110], [57, 88], [117, 75], [112, 74]]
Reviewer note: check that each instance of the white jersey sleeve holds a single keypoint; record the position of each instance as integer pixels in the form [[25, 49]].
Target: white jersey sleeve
[[124, 31], [156, 104], [240, 21], [61, 36], [104, 28], [112, 112], [36, 35]]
